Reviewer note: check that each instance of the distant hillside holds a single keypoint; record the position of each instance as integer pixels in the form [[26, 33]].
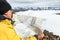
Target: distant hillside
[[37, 8]]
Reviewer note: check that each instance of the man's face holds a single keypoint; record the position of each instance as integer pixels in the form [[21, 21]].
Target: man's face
[[9, 14]]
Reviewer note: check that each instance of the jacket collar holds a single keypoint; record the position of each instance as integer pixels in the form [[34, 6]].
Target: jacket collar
[[4, 18]]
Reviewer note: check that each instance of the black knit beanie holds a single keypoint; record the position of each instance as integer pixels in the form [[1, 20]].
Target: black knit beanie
[[4, 7]]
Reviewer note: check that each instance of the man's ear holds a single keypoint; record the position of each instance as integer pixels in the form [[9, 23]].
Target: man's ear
[[5, 14]]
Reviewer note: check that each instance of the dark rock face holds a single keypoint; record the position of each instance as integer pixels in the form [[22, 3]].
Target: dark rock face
[[50, 36]]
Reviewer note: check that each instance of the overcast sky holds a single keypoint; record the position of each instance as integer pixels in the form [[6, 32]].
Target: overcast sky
[[34, 3], [36, 0]]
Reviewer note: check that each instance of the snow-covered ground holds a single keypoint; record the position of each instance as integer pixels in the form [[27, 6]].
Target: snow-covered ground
[[47, 19]]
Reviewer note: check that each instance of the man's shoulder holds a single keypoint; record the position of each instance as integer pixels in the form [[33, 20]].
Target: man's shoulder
[[2, 26]]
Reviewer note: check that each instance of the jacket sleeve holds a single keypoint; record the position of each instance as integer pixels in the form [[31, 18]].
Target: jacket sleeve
[[3, 36], [32, 38]]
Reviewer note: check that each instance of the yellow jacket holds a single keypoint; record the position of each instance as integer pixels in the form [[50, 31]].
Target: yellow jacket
[[7, 32]]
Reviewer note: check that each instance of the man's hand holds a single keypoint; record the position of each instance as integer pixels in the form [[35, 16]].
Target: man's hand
[[40, 36]]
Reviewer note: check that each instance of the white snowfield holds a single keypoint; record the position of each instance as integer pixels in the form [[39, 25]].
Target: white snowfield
[[45, 19], [23, 30]]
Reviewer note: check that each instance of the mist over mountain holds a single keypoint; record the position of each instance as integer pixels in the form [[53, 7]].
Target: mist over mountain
[[35, 4]]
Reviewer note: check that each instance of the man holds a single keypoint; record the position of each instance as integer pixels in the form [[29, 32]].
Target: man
[[7, 31]]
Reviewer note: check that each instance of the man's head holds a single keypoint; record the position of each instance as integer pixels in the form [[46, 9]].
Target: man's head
[[5, 9]]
